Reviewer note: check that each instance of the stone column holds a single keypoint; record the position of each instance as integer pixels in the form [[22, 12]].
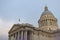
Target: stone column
[[31, 35], [25, 35], [21, 35], [15, 36]]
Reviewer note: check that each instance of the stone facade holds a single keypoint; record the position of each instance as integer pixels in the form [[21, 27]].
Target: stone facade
[[47, 30]]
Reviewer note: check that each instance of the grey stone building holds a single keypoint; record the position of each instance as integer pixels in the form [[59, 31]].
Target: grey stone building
[[47, 29]]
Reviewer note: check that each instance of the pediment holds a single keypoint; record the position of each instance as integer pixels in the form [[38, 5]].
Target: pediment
[[14, 27]]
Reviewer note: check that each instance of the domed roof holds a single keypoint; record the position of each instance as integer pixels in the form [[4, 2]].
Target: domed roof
[[47, 14]]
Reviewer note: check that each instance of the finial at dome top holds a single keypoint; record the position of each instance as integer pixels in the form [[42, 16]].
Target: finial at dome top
[[46, 8]]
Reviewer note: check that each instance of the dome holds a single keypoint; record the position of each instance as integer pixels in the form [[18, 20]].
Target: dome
[[47, 20], [47, 14]]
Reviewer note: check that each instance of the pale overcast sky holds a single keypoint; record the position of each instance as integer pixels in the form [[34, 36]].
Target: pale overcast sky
[[28, 11]]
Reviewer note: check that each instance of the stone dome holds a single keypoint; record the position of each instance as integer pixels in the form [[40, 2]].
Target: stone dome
[[47, 20], [47, 14]]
